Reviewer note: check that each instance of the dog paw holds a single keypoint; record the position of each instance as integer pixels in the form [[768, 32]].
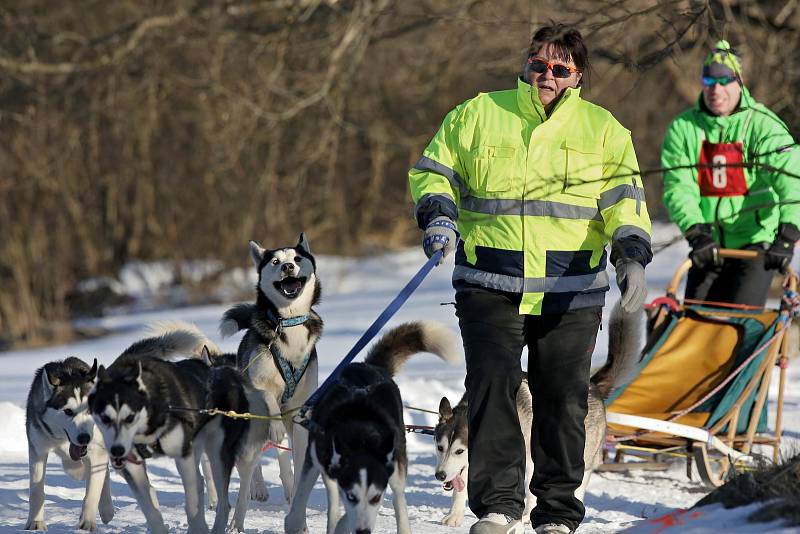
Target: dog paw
[[36, 525], [453, 520], [87, 524], [291, 526], [259, 491]]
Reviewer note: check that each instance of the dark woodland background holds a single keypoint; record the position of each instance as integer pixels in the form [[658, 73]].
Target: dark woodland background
[[174, 130]]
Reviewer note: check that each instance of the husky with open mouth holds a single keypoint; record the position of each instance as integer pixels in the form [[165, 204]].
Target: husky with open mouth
[[57, 420], [146, 405], [358, 438], [278, 354], [451, 440], [451, 432]]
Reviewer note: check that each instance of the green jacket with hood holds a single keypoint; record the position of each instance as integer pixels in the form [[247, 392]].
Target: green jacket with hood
[[773, 179], [537, 198]]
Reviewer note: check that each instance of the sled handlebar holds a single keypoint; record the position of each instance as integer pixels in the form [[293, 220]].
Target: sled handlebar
[[751, 255]]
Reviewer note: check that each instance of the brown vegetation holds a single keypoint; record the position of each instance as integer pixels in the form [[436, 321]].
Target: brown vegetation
[[181, 129]]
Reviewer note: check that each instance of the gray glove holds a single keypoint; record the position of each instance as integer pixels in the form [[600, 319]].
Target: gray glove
[[632, 284], [441, 233]]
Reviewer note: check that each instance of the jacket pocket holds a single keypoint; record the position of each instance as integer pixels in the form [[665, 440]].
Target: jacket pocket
[[584, 168], [495, 166]]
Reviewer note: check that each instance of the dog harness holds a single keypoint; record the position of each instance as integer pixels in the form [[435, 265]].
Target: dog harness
[[291, 376]]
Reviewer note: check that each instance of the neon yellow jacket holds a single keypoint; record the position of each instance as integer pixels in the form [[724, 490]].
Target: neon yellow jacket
[[537, 198]]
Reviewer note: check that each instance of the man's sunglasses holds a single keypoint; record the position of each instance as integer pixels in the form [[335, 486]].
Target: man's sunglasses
[[711, 81], [539, 66]]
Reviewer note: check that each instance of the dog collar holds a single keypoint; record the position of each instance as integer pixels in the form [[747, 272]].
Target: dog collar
[[281, 322]]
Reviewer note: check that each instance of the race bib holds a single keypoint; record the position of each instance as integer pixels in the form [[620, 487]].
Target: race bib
[[720, 173]]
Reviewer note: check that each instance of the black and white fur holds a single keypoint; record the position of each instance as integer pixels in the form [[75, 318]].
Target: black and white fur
[[357, 440], [451, 440], [234, 391], [287, 287], [132, 406], [451, 432], [57, 420]]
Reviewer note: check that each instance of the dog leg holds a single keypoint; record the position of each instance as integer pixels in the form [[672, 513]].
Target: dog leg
[[342, 527], [299, 445], [189, 469], [221, 466], [136, 477], [334, 510], [247, 464], [95, 479], [285, 460], [581, 491], [37, 464], [295, 521], [106, 503], [208, 478], [258, 488], [398, 484], [530, 498], [456, 515]]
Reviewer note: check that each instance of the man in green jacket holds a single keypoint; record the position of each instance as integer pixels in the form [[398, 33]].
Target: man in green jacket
[[537, 181], [731, 180]]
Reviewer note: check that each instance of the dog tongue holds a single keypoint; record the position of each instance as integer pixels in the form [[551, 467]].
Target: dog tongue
[[76, 452], [292, 286], [458, 483]]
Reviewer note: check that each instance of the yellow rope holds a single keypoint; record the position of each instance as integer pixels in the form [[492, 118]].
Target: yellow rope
[[248, 415], [257, 356]]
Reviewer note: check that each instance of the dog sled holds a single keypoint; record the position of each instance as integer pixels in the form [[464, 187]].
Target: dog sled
[[702, 385]]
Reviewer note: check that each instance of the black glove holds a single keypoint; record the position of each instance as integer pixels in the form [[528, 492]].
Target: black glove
[[779, 254], [705, 251]]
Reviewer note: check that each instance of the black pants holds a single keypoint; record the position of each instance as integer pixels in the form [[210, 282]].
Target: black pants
[[559, 358], [736, 281]]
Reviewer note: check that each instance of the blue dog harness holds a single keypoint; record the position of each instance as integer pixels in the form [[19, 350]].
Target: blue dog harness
[[291, 376]]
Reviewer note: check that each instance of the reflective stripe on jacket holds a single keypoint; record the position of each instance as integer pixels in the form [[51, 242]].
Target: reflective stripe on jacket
[[537, 198], [773, 196]]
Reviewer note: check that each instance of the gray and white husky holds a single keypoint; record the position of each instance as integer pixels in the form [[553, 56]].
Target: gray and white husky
[[278, 354], [145, 405], [450, 433], [57, 420], [357, 434]]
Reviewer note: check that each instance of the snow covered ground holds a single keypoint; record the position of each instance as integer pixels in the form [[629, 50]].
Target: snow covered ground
[[354, 293]]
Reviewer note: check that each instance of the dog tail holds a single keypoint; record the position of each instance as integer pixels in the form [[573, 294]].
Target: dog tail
[[396, 346], [170, 339], [236, 318], [624, 348]]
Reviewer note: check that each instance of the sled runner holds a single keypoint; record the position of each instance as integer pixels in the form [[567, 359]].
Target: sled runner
[[701, 386]]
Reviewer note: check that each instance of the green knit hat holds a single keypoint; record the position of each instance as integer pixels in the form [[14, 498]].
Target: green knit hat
[[722, 61]]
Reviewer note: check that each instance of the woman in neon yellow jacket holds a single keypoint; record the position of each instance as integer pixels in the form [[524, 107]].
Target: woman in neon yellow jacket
[[537, 181], [732, 180]]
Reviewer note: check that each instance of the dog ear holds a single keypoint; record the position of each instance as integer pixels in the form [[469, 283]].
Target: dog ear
[[206, 356], [445, 411], [48, 383], [256, 252], [139, 375], [93, 371], [335, 464], [390, 461], [302, 243], [102, 374]]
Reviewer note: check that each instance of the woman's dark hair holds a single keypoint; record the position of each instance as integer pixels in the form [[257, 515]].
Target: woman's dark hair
[[567, 41]]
